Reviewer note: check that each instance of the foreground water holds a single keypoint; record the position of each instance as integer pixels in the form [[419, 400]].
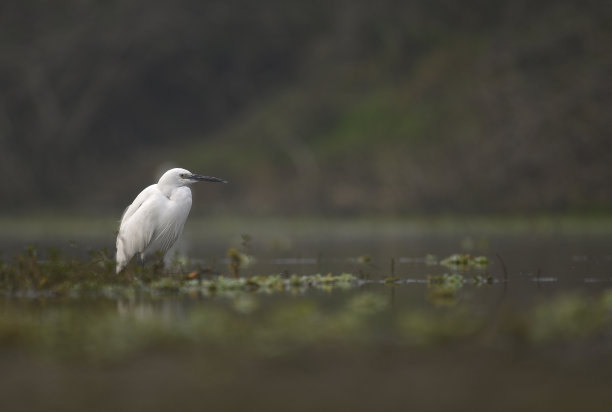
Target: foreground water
[[392, 328]]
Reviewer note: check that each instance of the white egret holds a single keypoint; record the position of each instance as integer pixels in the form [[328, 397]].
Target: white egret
[[155, 219]]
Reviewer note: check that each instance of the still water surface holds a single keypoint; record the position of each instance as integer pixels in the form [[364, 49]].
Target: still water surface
[[538, 337]]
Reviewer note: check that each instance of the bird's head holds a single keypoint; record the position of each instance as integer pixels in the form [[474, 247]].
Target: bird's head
[[181, 177]]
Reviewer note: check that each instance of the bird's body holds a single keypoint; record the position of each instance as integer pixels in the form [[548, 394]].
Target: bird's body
[[155, 219]]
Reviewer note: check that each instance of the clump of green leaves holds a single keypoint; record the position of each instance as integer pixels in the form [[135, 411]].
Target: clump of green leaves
[[240, 260], [464, 261], [455, 280], [485, 279], [365, 265], [58, 276], [391, 279], [364, 259], [236, 261], [110, 316], [270, 283], [442, 289]]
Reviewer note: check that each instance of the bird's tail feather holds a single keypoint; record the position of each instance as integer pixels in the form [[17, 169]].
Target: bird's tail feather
[[122, 257]]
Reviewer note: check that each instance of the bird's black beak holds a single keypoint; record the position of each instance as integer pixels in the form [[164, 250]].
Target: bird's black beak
[[200, 178]]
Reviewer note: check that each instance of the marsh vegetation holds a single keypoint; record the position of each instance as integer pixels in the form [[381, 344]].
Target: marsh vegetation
[[254, 319]]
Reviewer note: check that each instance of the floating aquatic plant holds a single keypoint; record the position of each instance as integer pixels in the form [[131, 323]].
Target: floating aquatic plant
[[430, 260], [485, 279], [455, 280], [442, 289], [59, 276], [110, 316], [464, 260], [391, 279]]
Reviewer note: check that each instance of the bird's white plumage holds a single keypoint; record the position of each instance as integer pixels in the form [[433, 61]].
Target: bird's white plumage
[[155, 219]]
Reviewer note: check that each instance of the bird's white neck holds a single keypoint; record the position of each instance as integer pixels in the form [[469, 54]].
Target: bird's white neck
[[173, 192]]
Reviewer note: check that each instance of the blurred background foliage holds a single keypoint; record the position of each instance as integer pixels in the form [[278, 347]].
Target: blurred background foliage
[[331, 107]]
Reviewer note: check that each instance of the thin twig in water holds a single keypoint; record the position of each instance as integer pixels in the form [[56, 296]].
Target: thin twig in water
[[505, 289], [503, 267]]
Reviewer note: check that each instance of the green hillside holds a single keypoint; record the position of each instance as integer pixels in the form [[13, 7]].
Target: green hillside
[[320, 108], [496, 119]]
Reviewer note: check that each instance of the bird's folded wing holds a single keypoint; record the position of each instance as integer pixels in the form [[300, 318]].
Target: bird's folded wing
[[137, 224], [146, 193]]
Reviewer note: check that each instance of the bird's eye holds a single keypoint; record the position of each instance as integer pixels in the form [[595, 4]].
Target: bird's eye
[[183, 175]]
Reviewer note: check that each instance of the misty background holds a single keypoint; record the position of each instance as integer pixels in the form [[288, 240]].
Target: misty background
[[334, 108]]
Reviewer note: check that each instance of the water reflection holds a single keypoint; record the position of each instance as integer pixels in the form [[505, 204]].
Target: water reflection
[[415, 295], [165, 310]]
